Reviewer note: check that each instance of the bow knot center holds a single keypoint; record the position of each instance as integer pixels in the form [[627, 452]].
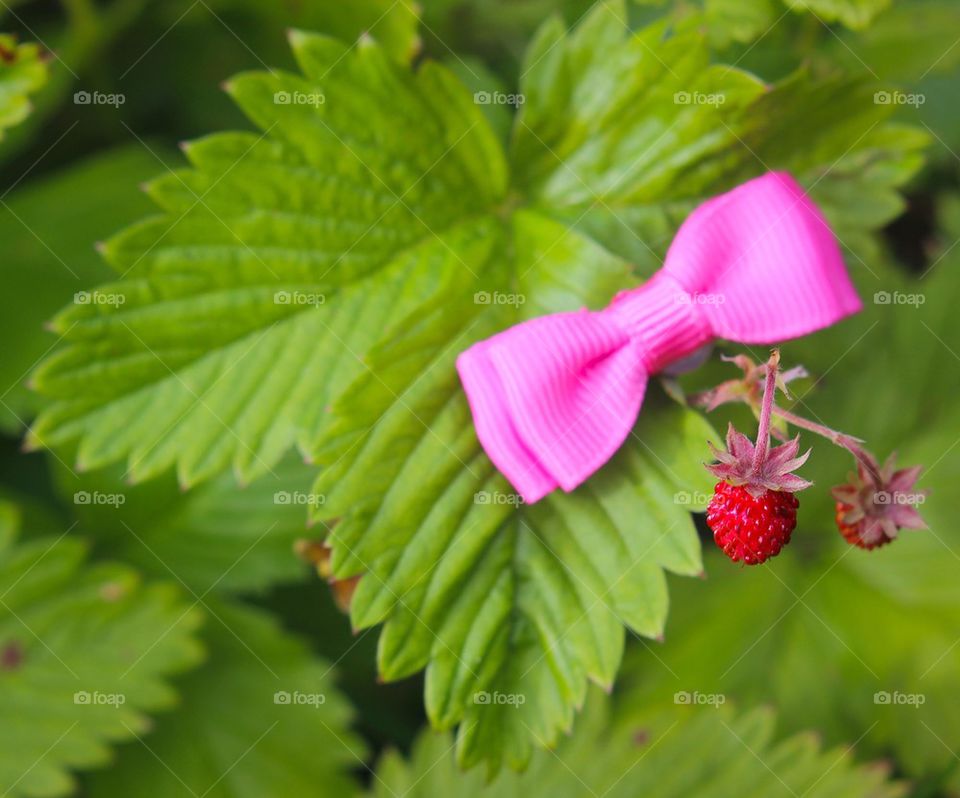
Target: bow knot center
[[664, 320]]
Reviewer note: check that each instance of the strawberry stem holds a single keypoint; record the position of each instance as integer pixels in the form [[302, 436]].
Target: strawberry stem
[[746, 390], [762, 448], [842, 440]]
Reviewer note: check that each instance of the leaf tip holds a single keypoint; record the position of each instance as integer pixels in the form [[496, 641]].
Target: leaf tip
[[297, 38]]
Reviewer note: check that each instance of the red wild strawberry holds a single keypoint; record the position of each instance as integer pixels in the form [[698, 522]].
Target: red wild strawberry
[[753, 510], [851, 532], [877, 502], [751, 529]]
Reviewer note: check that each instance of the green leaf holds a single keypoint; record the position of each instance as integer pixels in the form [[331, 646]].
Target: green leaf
[[215, 538], [904, 43], [214, 359], [852, 159], [261, 717], [739, 21], [49, 227], [623, 141], [22, 72], [389, 196], [688, 750], [393, 23], [490, 598], [86, 650], [854, 14]]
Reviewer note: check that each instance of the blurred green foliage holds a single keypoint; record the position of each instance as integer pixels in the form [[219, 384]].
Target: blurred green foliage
[[185, 615]]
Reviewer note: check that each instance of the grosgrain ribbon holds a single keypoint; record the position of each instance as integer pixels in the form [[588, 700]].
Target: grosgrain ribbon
[[554, 397]]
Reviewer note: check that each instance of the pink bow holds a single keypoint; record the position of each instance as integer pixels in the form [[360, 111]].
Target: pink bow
[[554, 397]]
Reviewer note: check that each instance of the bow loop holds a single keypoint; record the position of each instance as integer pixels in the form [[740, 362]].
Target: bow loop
[[762, 263], [556, 417]]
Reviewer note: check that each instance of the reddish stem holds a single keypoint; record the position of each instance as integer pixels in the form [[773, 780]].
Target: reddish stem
[[762, 448], [847, 442]]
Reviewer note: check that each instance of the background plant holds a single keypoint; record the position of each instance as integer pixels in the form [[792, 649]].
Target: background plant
[[305, 283]]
